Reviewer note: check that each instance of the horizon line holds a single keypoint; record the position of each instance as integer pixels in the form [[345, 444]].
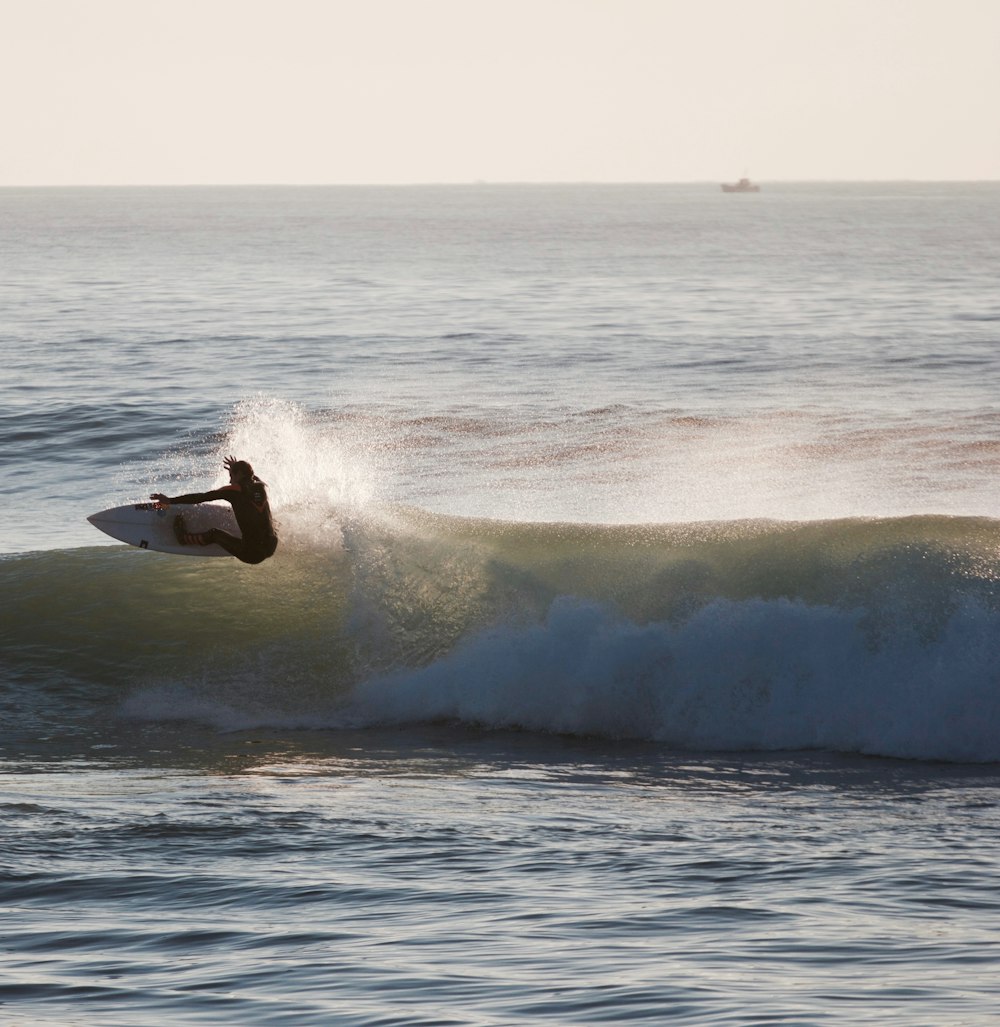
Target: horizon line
[[488, 182]]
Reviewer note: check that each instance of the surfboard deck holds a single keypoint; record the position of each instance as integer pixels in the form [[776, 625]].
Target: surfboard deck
[[151, 526]]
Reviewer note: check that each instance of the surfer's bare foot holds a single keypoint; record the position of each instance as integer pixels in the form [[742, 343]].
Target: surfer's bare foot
[[188, 538]]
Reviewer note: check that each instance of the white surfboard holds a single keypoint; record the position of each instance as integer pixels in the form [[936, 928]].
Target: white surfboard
[[151, 526]]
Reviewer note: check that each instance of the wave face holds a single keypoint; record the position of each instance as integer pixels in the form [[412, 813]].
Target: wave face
[[873, 636]]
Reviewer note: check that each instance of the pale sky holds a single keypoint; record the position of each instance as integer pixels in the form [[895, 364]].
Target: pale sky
[[397, 91]]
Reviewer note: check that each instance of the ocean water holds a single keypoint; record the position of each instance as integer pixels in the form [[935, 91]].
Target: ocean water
[[631, 650]]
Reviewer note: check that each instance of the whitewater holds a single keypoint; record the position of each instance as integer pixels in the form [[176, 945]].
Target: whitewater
[[631, 650]]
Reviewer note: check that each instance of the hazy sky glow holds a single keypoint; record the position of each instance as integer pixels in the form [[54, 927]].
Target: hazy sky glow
[[332, 91]]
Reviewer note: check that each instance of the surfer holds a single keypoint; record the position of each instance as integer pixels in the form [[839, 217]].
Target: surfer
[[248, 496]]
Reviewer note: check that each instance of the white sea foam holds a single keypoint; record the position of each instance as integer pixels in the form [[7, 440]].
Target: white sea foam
[[738, 675], [751, 675]]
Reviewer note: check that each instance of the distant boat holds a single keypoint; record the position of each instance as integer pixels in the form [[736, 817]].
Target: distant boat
[[744, 185]]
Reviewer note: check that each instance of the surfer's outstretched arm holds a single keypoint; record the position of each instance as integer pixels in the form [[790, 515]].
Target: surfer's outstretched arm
[[189, 498]]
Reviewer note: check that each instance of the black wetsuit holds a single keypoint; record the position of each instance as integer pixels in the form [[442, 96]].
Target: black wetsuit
[[253, 515]]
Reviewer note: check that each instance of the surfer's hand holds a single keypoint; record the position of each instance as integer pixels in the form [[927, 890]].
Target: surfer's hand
[[160, 498]]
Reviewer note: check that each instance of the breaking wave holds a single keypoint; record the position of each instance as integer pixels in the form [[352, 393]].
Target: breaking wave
[[876, 636]]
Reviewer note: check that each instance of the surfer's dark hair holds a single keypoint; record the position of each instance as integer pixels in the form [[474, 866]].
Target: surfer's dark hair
[[243, 468]]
